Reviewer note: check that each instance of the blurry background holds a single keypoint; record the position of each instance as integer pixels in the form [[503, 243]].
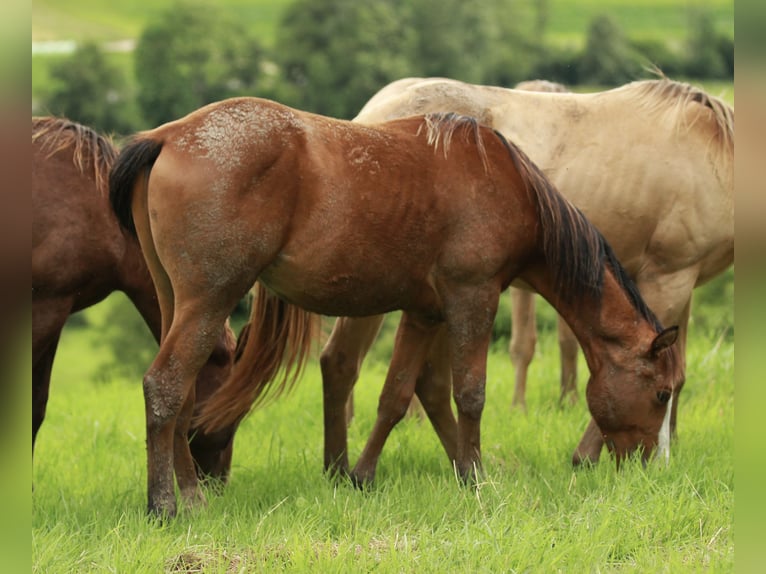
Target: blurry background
[[127, 66], [122, 67]]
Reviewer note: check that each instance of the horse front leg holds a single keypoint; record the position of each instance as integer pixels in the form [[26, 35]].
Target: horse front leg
[[470, 314], [569, 348], [340, 361], [433, 389], [413, 339], [523, 340]]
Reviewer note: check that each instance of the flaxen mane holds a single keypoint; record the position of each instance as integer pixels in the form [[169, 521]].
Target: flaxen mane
[[89, 147], [575, 250], [665, 95]]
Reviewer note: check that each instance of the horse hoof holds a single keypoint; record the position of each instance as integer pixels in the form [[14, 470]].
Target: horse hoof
[[361, 481], [583, 460], [161, 516]]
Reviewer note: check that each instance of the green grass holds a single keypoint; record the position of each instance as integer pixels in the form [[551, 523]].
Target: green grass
[[103, 21], [533, 512], [639, 19]]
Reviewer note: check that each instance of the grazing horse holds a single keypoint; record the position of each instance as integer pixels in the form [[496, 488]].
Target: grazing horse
[[80, 255], [649, 163], [432, 215]]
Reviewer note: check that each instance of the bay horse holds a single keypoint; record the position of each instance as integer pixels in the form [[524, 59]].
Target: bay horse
[[649, 163], [80, 255], [434, 215]]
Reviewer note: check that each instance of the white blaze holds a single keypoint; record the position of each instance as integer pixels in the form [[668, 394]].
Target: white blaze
[[663, 446]]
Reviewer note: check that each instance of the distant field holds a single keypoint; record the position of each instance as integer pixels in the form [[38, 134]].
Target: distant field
[[568, 20], [103, 21]]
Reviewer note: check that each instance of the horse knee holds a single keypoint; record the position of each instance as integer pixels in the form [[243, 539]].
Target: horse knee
[[470, 402], [522, 349], [163, 400], [337, 368]]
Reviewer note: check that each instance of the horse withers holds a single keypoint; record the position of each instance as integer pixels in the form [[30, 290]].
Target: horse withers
[[432, 215], [80, 255]]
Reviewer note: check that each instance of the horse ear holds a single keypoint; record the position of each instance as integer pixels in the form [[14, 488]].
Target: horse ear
[[664, 340]]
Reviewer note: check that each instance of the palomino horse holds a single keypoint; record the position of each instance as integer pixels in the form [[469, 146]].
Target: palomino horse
[[524, 323], [80, 255], [432, 215], [650, 164]]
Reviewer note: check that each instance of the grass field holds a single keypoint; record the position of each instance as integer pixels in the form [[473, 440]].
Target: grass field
[[533, 512]]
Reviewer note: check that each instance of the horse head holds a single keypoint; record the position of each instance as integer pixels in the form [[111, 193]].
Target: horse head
[[630, 397]]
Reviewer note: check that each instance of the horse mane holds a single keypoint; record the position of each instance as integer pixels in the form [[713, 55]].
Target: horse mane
[[57, 134], [576, 251], [673, 97], [441, 126]]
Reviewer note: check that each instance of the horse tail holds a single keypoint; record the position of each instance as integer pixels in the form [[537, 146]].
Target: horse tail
[[277, 338], [139, 155]]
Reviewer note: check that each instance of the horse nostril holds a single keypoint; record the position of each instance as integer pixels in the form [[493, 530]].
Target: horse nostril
[[663, 396]]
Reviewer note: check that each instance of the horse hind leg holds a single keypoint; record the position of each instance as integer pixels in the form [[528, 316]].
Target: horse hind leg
[[413, 339], [169, 397], [523, 340], [340, 362]]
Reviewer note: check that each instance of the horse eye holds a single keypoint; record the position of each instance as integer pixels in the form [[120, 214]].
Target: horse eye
[[663, 396]]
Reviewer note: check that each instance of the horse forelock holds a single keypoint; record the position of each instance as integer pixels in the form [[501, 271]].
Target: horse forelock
[[673, 97], [88, 146], [441, 126]]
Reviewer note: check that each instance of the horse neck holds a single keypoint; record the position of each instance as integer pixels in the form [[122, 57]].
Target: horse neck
[[605, 326]]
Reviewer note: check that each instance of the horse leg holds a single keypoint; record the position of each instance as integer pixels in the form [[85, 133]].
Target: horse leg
[[433, 389], [523, 339], [470, 314], [589, 449], [413, 339], [169, 397], [48, 319], [41, 380], [340, 361], [569, 349], [683, 328], [212, 452]]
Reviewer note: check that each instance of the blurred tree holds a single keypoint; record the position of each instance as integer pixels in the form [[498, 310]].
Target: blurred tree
[[608, 58], [497, 43], [124, 336], [191, 56], [703, 48], [88, 89], [335, 54]]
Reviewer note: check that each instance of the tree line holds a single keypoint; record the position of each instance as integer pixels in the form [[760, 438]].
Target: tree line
[[331, 56]]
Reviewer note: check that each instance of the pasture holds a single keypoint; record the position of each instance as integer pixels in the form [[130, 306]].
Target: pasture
[[531, 513]]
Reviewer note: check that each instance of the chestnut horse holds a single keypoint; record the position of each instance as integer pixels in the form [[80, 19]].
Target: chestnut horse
[[80, 255], [650, 164], [432, 215]]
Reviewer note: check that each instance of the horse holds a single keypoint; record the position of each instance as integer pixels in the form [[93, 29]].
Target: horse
[[434, 215], [655, 153], [523, 321], [80, 255]]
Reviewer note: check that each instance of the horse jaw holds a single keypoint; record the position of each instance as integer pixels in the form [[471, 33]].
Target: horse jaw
[[663, 445]]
